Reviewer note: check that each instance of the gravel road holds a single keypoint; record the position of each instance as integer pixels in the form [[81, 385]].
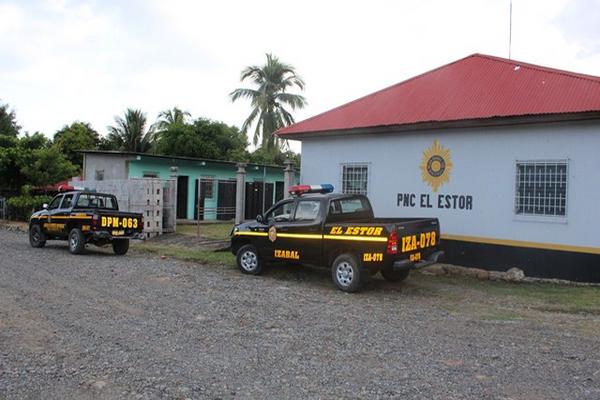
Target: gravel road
[[100, 326]]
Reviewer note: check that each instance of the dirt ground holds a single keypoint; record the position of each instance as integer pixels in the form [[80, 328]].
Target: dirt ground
[[144, 326]]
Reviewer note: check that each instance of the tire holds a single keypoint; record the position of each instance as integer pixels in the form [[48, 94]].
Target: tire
[[120, 246], [37, 237], [391, 275], [347, 273], [248, 261], [76, 241]]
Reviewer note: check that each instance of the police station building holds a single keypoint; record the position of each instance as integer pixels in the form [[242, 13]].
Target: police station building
[[506, 154]]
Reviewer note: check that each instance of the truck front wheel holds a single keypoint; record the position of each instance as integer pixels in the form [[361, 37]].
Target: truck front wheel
[[392, 275], [37, 238], [120, 246], [76, 241], [248, 261], [346, 272]]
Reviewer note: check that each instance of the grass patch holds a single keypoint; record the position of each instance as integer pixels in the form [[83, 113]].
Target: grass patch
[[216, 231], [537, 296], [182, 253]]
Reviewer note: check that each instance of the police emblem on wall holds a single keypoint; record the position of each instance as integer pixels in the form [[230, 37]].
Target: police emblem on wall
[[272, 234], [436, 165]]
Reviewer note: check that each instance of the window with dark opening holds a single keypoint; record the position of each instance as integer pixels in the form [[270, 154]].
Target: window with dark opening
[[355, 178], [208, 185], [541, 188]]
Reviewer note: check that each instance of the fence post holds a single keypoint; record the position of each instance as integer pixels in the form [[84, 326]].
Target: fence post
[[289, 177], [174, 170], [240, 191]]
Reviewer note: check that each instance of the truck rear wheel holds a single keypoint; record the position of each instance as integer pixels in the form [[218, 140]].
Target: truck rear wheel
[[120, 246], [392, 275], [346, 272], [248, 261], [37, 237], [76, 241]]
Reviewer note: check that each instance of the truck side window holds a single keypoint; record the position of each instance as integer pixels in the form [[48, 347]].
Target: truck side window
[[67, 201], [352, 205], [55, 203], [110, 203], [307, 210], [281, 213], [83, 200]]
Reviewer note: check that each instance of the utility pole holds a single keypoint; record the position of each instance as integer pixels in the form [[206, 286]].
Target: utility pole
[[510, 31]]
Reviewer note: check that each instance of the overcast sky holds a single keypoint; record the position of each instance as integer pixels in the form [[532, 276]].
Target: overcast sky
[[62, 61]]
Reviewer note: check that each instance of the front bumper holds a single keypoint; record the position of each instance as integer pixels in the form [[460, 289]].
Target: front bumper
[[407, 264]]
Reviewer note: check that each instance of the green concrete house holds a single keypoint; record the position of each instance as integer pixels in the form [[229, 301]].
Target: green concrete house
[[205, 188]]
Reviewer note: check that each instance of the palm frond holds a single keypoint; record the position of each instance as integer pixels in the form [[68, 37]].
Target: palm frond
[[243, 93], [295, 101], [268, 99]]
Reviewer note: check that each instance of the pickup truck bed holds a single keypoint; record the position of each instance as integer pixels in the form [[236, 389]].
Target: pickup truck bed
[[337, 231]]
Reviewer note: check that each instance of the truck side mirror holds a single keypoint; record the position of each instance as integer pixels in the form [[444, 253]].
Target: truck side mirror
[[259, 218], [45, 206]]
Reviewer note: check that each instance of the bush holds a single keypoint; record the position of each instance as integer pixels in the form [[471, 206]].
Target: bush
[[21, 207]]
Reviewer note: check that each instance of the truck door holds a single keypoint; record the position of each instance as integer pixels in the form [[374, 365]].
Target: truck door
[[52, 225], [63, 213], [274, 220], [301, 238]]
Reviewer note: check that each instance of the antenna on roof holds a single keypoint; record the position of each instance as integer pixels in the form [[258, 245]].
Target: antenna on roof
[[510, 30]]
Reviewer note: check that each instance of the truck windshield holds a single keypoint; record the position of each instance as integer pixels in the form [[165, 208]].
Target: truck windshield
[[97, 201]]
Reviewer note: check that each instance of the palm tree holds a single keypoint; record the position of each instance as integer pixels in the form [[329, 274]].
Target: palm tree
[[130, 134], [171, 117], [269, 98]]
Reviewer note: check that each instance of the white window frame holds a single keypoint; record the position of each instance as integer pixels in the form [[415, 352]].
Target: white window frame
[[561, 219], [355, 164]]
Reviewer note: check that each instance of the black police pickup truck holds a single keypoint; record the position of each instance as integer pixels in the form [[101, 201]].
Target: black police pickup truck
[[339, 231], [85, 217]]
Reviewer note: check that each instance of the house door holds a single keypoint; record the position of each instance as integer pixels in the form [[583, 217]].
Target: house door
[[226, 200], [182, 196]]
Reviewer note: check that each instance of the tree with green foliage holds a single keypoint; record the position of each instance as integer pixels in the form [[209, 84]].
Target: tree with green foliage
[[203, 138], [171, 117], [269, 99], [77, 136], [47, 166], [8, 123], [106, 143], [263, 156], [13, 158], [131, 133], [33, 142], [21, 207], [33, 160]]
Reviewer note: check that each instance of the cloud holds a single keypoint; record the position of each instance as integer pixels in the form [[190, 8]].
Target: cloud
[[89, 60], [580, 22]]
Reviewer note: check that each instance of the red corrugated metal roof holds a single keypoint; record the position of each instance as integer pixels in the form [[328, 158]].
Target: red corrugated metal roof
[[475, 87]]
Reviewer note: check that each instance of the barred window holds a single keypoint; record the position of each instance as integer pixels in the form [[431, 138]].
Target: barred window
[[541, 188], [208, 183], [355, 178]]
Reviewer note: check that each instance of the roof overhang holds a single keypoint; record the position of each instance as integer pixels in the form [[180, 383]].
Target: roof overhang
[[465, 123]]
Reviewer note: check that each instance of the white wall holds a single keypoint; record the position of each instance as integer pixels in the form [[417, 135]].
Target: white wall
[[113, 165], [483, 167]]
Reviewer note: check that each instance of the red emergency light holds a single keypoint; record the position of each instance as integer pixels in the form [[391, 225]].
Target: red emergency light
[[299, 190]]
